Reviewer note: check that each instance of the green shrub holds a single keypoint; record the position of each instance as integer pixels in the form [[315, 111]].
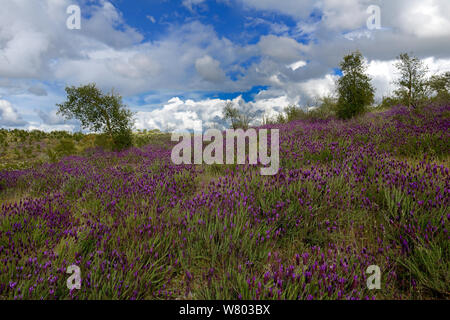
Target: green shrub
[[294, 113], [122, 139], [103, 141], [388, 102], [52, 155], [65, 147]]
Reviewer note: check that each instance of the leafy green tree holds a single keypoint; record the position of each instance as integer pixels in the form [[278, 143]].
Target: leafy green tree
[[440, 85], [99, 112], [412, 83], [355, 91]]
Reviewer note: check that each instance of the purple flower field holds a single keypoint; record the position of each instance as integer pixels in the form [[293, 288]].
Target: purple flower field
[[370, 191]]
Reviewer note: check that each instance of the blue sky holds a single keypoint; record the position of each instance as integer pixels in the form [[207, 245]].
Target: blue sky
[[231, 19], [177, 62]]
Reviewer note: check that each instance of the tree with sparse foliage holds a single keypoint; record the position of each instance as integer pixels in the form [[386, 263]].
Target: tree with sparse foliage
[[412, 83], [99, 112], [238, 118], [355, 91]]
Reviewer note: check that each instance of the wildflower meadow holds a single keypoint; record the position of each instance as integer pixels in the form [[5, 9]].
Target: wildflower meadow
[[370, 191]]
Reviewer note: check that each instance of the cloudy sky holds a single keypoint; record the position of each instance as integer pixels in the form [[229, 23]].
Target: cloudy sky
[[176, 62]]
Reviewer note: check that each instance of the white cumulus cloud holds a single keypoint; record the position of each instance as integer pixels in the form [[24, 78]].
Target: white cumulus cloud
[[9, 117]]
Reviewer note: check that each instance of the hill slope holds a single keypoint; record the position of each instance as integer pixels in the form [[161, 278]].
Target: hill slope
[[370, 191]]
